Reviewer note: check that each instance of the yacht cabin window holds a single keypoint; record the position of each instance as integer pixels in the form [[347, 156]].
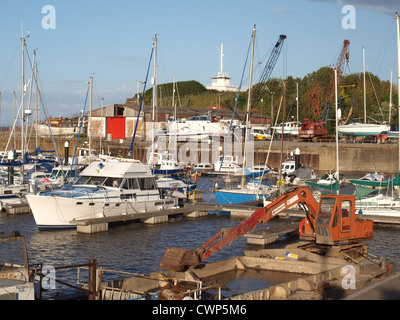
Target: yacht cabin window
[[147, 184], [130, 184]]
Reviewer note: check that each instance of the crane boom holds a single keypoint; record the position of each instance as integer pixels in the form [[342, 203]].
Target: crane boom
[[339, 66], [318, 127], [269, 67]]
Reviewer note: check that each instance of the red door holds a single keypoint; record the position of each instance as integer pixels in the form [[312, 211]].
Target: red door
[[116, 126]]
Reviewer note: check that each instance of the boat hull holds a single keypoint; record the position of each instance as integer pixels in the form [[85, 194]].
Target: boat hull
[[58, 212], [363, 130], [238, 196]]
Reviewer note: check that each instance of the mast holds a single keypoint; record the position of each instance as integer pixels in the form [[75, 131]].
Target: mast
[[222, 59], [398, 75], [101, 126], [337, 124], [22, 93], [398, 60], [90, 117], [248, 103], [37, 111], [390, 95], [365, 93], [154, 98], [13, 130], [173, 97]]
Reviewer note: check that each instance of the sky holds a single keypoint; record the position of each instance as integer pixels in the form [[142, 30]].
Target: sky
[[111, 41]]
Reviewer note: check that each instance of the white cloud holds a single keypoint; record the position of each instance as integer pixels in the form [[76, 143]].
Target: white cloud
[[387, 7]]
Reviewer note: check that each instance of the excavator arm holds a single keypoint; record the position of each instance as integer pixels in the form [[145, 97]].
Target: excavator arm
[[177, 259]]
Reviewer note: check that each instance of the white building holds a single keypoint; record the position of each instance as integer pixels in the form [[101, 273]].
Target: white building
[[222, 82]]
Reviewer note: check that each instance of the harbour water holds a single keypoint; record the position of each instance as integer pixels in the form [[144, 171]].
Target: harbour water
[[138, 248]]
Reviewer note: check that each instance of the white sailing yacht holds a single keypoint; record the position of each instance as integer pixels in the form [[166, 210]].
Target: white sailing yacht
[[363, 129]]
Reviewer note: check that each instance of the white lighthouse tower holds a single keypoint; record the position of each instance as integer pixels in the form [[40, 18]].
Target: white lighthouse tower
[[222, 82]]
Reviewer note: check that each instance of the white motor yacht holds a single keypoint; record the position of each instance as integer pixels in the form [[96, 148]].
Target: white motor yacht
[[104, 189]]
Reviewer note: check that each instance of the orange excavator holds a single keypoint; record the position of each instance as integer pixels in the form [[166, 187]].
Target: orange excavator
[[331, 222]]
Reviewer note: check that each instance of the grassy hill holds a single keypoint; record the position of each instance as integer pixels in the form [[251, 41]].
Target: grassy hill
[[192, 94]]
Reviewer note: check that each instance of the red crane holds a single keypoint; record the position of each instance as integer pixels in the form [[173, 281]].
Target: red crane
[[318, 128]]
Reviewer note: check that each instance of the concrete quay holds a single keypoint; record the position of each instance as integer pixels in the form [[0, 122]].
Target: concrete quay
[[321, 156]]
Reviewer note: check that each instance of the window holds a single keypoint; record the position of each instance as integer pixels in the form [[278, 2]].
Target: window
[[118, 111], [83, 180], [113, 182], [147, 184], [345, 210], [325, 211], [131, 184], [346, 207], [97, 181]]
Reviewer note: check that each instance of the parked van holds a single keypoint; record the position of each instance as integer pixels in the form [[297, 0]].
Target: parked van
[[260, 133]]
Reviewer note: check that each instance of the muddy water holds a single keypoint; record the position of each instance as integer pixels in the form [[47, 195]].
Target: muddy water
[[236, 282]]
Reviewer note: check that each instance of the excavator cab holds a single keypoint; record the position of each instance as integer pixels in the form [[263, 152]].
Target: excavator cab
[[336, 222]]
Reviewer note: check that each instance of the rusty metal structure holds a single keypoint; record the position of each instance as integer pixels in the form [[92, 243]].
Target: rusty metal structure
[[318, 127]]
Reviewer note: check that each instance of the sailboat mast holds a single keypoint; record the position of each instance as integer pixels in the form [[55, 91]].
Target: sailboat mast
[[390, 96], [248, 103], [37, 112], [398, 60], [222, 60], [398, 75], [22, 94], [154, 98], [173, 97], [90, 117], [365, 93], [337, 124]]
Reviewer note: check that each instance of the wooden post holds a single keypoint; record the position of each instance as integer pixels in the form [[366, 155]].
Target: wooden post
[[92, 279]]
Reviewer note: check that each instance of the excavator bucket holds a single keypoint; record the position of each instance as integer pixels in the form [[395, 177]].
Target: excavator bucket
[[176, 259]]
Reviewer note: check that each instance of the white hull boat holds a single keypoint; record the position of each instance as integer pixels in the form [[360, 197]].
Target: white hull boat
[[230, 164], [363, 129], [105, 189], [379, 205]]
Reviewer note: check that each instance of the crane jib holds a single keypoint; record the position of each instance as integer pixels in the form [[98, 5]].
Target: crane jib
[[286, 205]]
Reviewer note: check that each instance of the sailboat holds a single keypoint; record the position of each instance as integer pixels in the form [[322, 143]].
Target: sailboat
[[375, 202], [248, 190], [11, 192], [377, 184], [328, 181], [365, 129], [161, 162]]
